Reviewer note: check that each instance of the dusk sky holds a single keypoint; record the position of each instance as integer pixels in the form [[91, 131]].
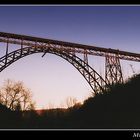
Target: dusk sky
[[51, 78]]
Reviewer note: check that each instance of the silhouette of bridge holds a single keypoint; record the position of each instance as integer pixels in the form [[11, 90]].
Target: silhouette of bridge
[[29, 45]]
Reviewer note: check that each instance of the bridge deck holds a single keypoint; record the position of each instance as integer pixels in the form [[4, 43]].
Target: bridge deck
[[73, 45]]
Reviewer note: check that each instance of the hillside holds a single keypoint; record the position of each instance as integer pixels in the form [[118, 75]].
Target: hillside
[[119, 108]]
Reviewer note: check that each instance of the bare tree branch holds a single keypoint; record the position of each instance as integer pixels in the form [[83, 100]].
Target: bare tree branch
[[16, 96]]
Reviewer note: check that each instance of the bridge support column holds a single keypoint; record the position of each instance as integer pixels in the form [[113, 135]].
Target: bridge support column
[[21, 46], [7, 48], [113, 72]]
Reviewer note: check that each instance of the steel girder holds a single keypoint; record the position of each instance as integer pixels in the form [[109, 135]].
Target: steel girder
[[96, 82], [113, 72], [79, 48]]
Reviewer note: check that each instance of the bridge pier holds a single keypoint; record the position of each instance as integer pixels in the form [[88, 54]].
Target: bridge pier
[[7, 48], [113, 72]]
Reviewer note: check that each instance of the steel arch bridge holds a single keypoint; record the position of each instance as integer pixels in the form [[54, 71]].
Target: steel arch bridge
[[29, 45]]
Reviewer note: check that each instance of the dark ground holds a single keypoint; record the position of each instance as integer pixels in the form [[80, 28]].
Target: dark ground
[[119, 108]]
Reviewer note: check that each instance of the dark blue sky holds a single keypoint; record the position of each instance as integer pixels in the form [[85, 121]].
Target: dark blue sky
[[105, 26]]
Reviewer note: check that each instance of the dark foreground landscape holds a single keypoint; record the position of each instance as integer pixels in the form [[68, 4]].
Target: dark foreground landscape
[[119, 108]]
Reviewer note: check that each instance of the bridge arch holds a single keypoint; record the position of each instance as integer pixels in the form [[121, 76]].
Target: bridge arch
[[96, 82]]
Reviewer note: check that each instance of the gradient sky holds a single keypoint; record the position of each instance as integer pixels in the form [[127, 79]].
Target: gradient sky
[[51, 78]]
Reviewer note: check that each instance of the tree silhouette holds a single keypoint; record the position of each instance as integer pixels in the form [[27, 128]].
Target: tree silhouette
[[70, 101], [16, 96]]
